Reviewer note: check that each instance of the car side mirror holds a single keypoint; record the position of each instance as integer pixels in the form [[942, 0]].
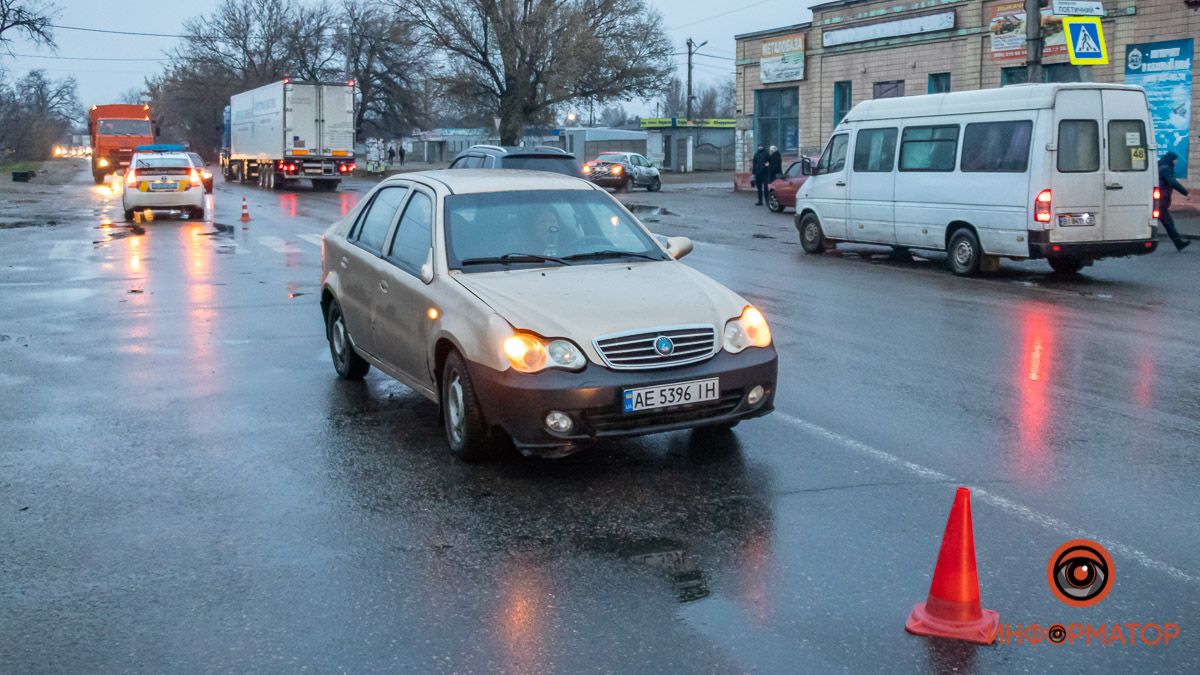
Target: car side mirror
[[427, 269], [677, 247], [806, 167]]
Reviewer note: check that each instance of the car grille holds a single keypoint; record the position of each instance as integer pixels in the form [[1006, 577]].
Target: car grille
[[607, 420], [636, 350]]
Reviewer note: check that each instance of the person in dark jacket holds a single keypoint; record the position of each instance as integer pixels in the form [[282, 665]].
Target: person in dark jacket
[[774, 164], [759, 168], [1167, 183]]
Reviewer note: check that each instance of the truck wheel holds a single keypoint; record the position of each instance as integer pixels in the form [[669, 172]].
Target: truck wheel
[[1065, 265], [812, 239], [467, 432], [964, 253], [348, 364], [99, 178]]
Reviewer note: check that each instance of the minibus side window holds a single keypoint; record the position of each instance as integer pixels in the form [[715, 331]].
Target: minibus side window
[[929, 148], [1078, 146], [1127, 145], [875, 150], [833, 160], [996, 147]]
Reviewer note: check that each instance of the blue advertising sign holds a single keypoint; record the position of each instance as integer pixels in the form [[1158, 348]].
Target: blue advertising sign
[[1164, 70]]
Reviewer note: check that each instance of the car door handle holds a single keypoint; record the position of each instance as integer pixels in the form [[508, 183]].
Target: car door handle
[[383, 286], [345, 263], [1113, 186], [841, 183]]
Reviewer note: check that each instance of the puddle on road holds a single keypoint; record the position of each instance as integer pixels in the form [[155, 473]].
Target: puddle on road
[[35, 222], [648, 210], [669, 557]]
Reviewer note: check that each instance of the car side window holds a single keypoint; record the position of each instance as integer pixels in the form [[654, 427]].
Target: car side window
[[414, 235], [932, 148], [458, 163], [793, 171], [833, 160], [372, 228]]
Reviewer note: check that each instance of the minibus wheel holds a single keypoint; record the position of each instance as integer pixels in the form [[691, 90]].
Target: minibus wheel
[[1065, 265], [965, 253], [812, 239]]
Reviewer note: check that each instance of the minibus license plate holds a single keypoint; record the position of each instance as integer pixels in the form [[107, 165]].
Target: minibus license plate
[[1071, 220], [676, 393]]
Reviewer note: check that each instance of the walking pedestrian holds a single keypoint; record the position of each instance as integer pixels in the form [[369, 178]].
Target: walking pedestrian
[[1167, 183], [402, 153], [760, 166], [391, 155], [774, 164]]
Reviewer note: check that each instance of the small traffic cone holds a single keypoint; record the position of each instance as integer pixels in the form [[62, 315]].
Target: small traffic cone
[[245, 211], [952, 609]]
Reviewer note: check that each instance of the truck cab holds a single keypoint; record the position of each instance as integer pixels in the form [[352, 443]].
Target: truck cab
[[116, 130]]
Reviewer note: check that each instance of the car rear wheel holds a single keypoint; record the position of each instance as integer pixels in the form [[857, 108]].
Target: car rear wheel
[[812, 239], [195, 213], [965, 253], [773, 202], [467, 432], [1065, 265], [348, 364]]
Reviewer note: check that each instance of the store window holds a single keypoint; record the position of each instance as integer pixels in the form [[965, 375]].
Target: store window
[[888, 89], [939, 83], [841, 101], [777, 118], [1052, 72]]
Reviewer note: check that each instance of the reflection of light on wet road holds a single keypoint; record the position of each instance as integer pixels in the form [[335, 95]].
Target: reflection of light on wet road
[[200, 311], [754, 582], [1034, 376], [348, 202], [135, 254], [521, 630], [1143, 386], [287, 204]]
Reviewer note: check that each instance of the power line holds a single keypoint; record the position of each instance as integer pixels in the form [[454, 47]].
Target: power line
[[714, 56], [717, 16], [81, 58], [115, 32]]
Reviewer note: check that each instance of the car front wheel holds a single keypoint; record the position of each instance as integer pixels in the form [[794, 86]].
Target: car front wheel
[[655, 185], [348, 364], [812, 239], [773, 202], [467, 432]]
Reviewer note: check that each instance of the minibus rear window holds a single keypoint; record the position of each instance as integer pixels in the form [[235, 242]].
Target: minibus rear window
[[1078, 146], [996, 147], [875, 150], [1127, 145], [928, 148]]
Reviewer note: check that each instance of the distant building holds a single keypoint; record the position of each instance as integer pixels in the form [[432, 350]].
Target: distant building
[[795, 83], [676, 144]]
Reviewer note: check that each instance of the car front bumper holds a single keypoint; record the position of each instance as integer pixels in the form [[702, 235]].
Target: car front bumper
[[1041, 247], [594, 398]]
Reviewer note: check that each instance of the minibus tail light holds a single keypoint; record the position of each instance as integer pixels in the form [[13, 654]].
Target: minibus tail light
[[1041, 207], [1154, 210]]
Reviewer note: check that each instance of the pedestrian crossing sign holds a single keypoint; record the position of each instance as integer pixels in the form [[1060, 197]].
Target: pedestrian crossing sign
[[1085, 40]]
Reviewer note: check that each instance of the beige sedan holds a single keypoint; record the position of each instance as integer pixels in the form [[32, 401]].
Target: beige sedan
[[534, 308]]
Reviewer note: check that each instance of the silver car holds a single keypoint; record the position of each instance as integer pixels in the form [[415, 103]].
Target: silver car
[[534, 308]]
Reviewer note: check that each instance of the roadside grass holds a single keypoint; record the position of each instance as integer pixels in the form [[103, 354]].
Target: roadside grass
[[6, 167]]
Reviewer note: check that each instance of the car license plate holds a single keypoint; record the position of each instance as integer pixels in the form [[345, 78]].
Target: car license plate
[[164, 185], [676, 393], [1070, 220]]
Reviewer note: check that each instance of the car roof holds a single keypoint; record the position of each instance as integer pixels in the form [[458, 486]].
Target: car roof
[[470, 181], [518, 150], [162, 155]]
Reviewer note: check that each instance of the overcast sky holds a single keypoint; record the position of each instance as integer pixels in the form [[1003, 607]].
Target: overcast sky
[[81, 53]]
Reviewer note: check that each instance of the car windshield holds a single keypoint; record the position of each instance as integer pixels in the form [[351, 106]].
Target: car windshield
[[560, 164], [610, 157], [535, 228], [125, 127]]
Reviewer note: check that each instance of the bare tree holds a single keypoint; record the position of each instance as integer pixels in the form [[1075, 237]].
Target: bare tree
[[673, 99], [521, 58], [31, 19], [707, 100], [36, 113], [387, 63], [613, 115], [727, 98]]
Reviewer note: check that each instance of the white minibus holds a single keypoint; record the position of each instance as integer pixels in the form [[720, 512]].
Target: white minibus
[[1065, 172]]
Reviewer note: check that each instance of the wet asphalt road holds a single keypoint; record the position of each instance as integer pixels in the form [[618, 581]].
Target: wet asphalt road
[[186, 486]]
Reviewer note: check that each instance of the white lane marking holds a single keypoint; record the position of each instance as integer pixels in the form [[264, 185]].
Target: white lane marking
[[70, 250], [994, 500], [314, 239], [278, 245]]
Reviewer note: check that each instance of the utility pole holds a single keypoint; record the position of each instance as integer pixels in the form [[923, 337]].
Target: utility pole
[[1033, 41], [692, 48]]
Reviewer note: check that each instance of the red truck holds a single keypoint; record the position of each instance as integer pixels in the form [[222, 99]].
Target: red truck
[[116, 130]]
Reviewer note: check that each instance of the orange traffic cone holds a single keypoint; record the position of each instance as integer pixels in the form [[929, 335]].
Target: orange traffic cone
[[245, 211], [952, 609]]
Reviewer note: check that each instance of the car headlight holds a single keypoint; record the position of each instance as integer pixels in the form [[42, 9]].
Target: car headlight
[[528, 353], [748, 330], [102, 163]]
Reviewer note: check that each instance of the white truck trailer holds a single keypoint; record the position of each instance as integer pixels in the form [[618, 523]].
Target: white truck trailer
[[289, 131]]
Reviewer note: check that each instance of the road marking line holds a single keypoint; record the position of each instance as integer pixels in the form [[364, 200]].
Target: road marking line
[[314, 239], [278, 245], [996, 501]]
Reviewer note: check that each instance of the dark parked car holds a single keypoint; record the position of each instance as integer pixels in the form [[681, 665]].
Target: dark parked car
[[206, 175], [540, 158], [623, 171]]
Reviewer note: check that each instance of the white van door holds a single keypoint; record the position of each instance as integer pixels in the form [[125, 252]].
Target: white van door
[[1129, 173], [1077, 190], [302, 135], [872, 188], [829, 189]]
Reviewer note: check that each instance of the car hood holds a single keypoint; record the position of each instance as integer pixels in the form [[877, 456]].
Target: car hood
[[582, 302]]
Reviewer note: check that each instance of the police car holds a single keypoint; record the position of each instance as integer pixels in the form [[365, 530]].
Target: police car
[[161, 178]]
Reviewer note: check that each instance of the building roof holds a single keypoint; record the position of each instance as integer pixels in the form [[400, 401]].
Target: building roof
[[468, 181], [1015, 97], [774, 31]]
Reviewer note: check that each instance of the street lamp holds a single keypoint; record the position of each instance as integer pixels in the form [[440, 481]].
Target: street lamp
[[571, 117]]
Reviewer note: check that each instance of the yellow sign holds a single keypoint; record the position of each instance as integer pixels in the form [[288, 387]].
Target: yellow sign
[[1085, 40]]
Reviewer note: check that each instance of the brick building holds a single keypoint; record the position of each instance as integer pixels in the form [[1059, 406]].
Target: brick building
[[795, 82]]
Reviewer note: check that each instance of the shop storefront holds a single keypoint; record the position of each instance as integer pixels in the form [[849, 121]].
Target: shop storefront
[[795, 83]]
